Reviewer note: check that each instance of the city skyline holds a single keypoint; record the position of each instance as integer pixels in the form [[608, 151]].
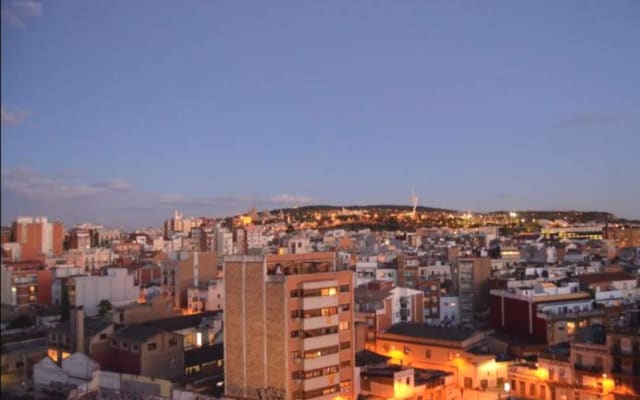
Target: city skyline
[[218, 108]]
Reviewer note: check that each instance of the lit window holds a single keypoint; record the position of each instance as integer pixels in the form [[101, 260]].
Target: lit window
[[53, 354]]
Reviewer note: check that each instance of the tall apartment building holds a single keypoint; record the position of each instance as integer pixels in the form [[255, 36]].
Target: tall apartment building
[[38, 237], [289, 327], [473, 286], [186, 269]]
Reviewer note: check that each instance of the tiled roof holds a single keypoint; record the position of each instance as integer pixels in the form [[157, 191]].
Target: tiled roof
[[432, 332], [137, 333]]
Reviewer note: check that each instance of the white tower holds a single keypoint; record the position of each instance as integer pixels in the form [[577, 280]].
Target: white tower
[[414, 201]]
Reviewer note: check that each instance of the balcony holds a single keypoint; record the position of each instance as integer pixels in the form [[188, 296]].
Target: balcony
[[321, 341], [312, 303], [571, 314], [320, 362], [320, 322], [618, 351], [320, 382], [594, 369], [626, 372]]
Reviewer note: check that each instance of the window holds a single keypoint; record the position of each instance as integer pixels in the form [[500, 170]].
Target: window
[[532, 389], [344, 288], [344, 325], [407, 350], [386, 347], [103, 336], [295, 293], [571, 328], [295, 333], [345, 345], [321, 352], [427, 353], [328, 292], [173, 342], [320, 332], [135, 347], [345, 364], [344, 307], [152, 346]]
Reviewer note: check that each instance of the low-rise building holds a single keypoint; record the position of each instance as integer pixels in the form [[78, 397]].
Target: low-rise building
[[145, 350]]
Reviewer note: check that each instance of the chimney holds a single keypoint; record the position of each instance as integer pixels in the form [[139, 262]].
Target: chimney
[[79, 334], [196, 279]]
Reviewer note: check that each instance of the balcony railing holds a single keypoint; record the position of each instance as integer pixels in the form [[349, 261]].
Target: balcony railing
[[618, 351], [549, 315], [596, 369]]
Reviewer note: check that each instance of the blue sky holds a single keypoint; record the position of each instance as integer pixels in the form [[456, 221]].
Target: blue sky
[[119, 111]]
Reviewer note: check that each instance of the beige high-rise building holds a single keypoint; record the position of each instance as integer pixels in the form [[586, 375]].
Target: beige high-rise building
[[288, 327]]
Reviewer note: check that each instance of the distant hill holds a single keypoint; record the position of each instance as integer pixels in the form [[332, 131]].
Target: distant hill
[[569, 215], [374, 207]]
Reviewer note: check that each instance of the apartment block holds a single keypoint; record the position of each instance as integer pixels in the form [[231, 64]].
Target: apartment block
[[288, 327], [473, 275], [38, 237]]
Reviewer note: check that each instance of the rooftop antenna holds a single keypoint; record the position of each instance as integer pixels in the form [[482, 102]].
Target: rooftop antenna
[[414, 201]]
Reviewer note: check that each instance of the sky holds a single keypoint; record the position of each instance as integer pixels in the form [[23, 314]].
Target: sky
[[119, 112]]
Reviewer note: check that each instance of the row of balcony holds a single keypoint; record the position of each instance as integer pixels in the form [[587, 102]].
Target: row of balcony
[[618, 351], [596, 369]]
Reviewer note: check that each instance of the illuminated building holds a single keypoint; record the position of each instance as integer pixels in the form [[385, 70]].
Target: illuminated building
[[454, 350], [594, 232], [288, 325]]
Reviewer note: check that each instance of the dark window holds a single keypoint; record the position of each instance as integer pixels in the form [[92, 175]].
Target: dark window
[[152, 346], [345, 345], [173, 342], [103, 336], [344, 288]]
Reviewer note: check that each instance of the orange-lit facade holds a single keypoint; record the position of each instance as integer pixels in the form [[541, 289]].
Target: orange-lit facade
[[38, 237], [289, 326]]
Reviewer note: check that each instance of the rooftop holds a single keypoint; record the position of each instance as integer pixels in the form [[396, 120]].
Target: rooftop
[[182, 321], [92, 326], [431, 332], [137, 333], [367, 357]]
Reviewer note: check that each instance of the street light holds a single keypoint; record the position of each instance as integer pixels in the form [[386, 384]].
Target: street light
[[507, 388]]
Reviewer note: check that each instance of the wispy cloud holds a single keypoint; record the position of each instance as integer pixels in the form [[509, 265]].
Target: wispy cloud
[[178, 200], [74, 197], [13, 117], [15, 13], [28, 183], [589, 120], [291, 199]]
